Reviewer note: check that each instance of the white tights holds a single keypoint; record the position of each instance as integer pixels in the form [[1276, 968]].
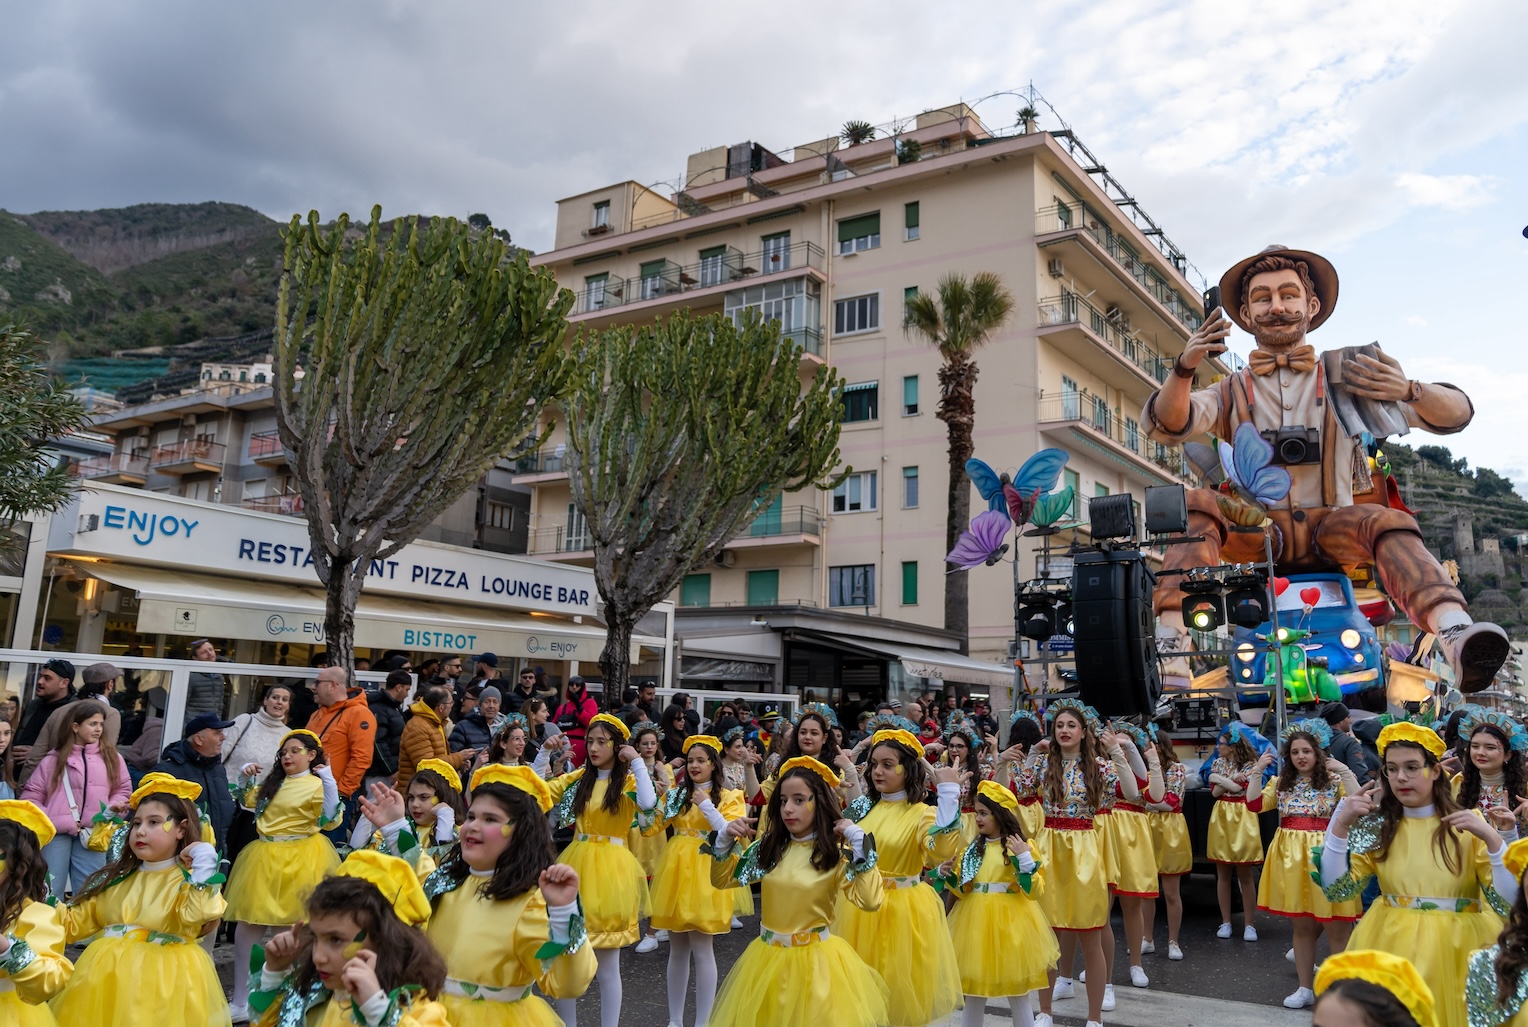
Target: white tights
[[975, 1013], [682, 945], [245, 938], [608, 976]]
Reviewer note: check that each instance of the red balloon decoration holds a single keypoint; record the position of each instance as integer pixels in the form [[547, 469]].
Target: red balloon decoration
[[1310, 596], [1280, 586]]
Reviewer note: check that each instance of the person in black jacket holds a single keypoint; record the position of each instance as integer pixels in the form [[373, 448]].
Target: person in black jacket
[[1345, 748], [475, 729], [387, 706], [199, 757]]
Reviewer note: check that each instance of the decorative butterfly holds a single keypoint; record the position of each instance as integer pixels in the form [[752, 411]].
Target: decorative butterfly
[[1249, 468], [988, 482], [1050, 509], [1037, 477], [982, 543]]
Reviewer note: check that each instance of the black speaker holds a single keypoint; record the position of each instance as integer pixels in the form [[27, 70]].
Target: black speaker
[[1166, 510], [1113, 628]]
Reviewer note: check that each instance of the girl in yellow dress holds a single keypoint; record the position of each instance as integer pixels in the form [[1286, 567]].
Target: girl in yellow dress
[[32, 964], [1169, 843], [905, 941], [1496, 991], [1373, 989], [685, 904], [648, 847], [1002, 941], [1235, 840], [158, 893], [506, 917], [797, 972], [419, 827], [1131, 858], [1024, 731], [1306, 792], [738, 763], [1494, 773], [273, 875], [1441, 870], [1073, 779], [597, 800], [361, 958]]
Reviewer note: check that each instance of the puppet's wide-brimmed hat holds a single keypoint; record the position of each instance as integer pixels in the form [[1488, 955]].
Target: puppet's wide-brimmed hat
[[1321, 272]]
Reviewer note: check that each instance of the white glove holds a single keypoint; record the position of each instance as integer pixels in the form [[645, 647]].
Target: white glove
[[204, 861], [712, 814], [445, 823], [855, 836], [325, 777], [557, 918], [1026, 863], [647, 795]]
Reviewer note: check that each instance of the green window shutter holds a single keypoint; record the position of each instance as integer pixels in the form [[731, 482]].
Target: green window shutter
[[713, 251], [653, 268], [596, 279], [855, 228], [910, 583], [910, 392], [912, 214], [763, 588], [695, 590]]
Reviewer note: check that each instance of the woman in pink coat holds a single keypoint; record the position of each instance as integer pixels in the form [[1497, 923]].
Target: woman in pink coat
[[575, 714], [82, 773]]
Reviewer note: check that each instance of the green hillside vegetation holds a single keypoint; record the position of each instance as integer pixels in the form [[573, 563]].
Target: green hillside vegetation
[[45, 286]]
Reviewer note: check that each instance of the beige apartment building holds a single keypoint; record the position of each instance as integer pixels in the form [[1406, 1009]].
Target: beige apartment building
[[831, 239]]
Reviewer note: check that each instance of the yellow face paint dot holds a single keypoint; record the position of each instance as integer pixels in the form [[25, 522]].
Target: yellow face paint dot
[[352, 949], [505, 830], [168, 826]]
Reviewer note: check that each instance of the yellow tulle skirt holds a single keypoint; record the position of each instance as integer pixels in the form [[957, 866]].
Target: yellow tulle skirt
[[128, 983], [682, 897], [531, 1011], [1234, 835], [1031, 817], [1131, 859], [1170, 843], [16, 1013], [1437, 942], [648, 849], [819, 983], [1077, 887], [907, 942], [1286, 887], [613, 889], [271, 881], [1003, 944]]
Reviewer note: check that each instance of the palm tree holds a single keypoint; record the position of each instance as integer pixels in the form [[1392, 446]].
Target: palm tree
[[856, 132], [958, 322]]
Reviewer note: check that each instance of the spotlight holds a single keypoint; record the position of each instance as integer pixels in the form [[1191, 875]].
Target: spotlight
[[1247, 600], [1037, 617], [1064, 619], [1203, 607]]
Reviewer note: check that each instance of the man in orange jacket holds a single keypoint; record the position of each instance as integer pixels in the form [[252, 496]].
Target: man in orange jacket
[[348, 730]]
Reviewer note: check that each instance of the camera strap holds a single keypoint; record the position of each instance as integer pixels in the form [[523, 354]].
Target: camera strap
[[1250, 394]]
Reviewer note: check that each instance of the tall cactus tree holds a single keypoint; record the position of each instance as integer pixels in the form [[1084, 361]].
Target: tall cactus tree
[[679, 433], [426, 355]]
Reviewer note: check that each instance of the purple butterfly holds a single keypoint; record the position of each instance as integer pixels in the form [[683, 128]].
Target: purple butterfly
[[983, 543]]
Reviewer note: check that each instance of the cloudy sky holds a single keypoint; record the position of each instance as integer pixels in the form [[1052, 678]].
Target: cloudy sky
[[1391, 135]]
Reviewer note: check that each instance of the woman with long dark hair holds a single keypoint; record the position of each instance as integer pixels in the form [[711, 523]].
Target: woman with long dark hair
[[811, 735], [28, 919], [1024, 731], [1170, 844], [1235, 841], [1495, 773]]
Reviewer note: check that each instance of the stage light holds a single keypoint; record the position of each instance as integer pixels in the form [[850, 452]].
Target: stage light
[[1204, 609], [1246, 600], [1064, 623]]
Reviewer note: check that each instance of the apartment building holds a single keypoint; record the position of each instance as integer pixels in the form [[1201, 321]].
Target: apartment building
[[831, 240]]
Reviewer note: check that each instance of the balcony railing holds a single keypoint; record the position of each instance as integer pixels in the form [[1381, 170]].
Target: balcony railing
[[198, 453], [130, 465], [557, 540], [791, 520], [545, 461], [1094, 414], [286, 503], [1069, 217], [809, 339], [1069, 308], [674, 279], [265, 445]]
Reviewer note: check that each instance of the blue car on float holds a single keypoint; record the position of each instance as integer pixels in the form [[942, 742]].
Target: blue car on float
[[1341, 633]]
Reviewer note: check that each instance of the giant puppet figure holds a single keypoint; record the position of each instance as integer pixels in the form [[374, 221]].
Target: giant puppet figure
[[1279, 295]]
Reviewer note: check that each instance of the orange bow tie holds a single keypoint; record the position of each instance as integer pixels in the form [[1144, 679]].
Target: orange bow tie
[[1300, 360]]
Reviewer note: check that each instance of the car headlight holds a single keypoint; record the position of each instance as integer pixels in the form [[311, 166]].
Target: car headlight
[[1282, 634], [1351, 638], [1246, 672], [1358, 658], [1246, 652]]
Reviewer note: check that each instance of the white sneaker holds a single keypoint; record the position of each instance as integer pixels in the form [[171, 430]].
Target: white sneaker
[[1063, 988], [1138, 977], [1173, 951], [1301, 999], [1044, 1020], [1095, 1023], [647, 944], [1082, 977], [1148, 947], [663, 936], [1250, 934], [1108, 1005], [239, 1014], [736, 923], [1224, 932], [1290, 955]]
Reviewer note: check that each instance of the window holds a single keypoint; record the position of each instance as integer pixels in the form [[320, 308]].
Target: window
[[853, 585], [659, 277], [1100, 489], [259, 377], [909, 395], [712, 265], [909, 294], [855, 494], [1074, 482], [763, 588], [1069, 410], [695, 590], [576, 537], [769, 521], [1063, 215], [1132, 434], [777, 252], [910, 220], [862, 401], [1101, 414], [499, 515], [795, 304], [861, 233], [594, 291], [860, 314], [601, 214], [910, 583], [909, 487]]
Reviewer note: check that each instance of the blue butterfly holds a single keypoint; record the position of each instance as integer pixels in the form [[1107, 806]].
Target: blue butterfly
[[1249, 470], [988, 482], [1036, 477]]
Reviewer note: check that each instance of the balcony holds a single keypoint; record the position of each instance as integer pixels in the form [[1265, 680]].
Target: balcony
[[810, 341], [542, 466], [189, 457], [1085, 333], [289, 503], [777, 526], [117, 468], [265, 449], [665, 284], [559, 545], [1080, 417]]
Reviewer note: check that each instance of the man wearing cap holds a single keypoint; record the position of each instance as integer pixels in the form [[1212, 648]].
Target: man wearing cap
[[98, 681], [199, 757], [1333, 516], [55, 690]]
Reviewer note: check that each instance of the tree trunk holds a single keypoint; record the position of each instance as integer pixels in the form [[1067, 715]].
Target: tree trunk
[[957, 409], [615, 658], [340, 597]]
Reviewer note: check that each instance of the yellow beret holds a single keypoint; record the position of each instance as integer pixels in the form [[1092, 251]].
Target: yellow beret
[[816, 766], [709, 741], [1426, 737], [1516, 859], [158, 782], [897, 734], [442, 768], [1394, 974], [301, 732], [613, 723], [29, 816], [523, 778], [394, 878], [1000, 795]]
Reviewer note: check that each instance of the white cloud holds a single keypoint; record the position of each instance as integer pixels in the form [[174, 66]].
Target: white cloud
[[1451, 192]]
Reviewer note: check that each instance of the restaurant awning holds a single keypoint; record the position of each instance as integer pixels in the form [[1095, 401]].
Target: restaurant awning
[[923, 662]]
